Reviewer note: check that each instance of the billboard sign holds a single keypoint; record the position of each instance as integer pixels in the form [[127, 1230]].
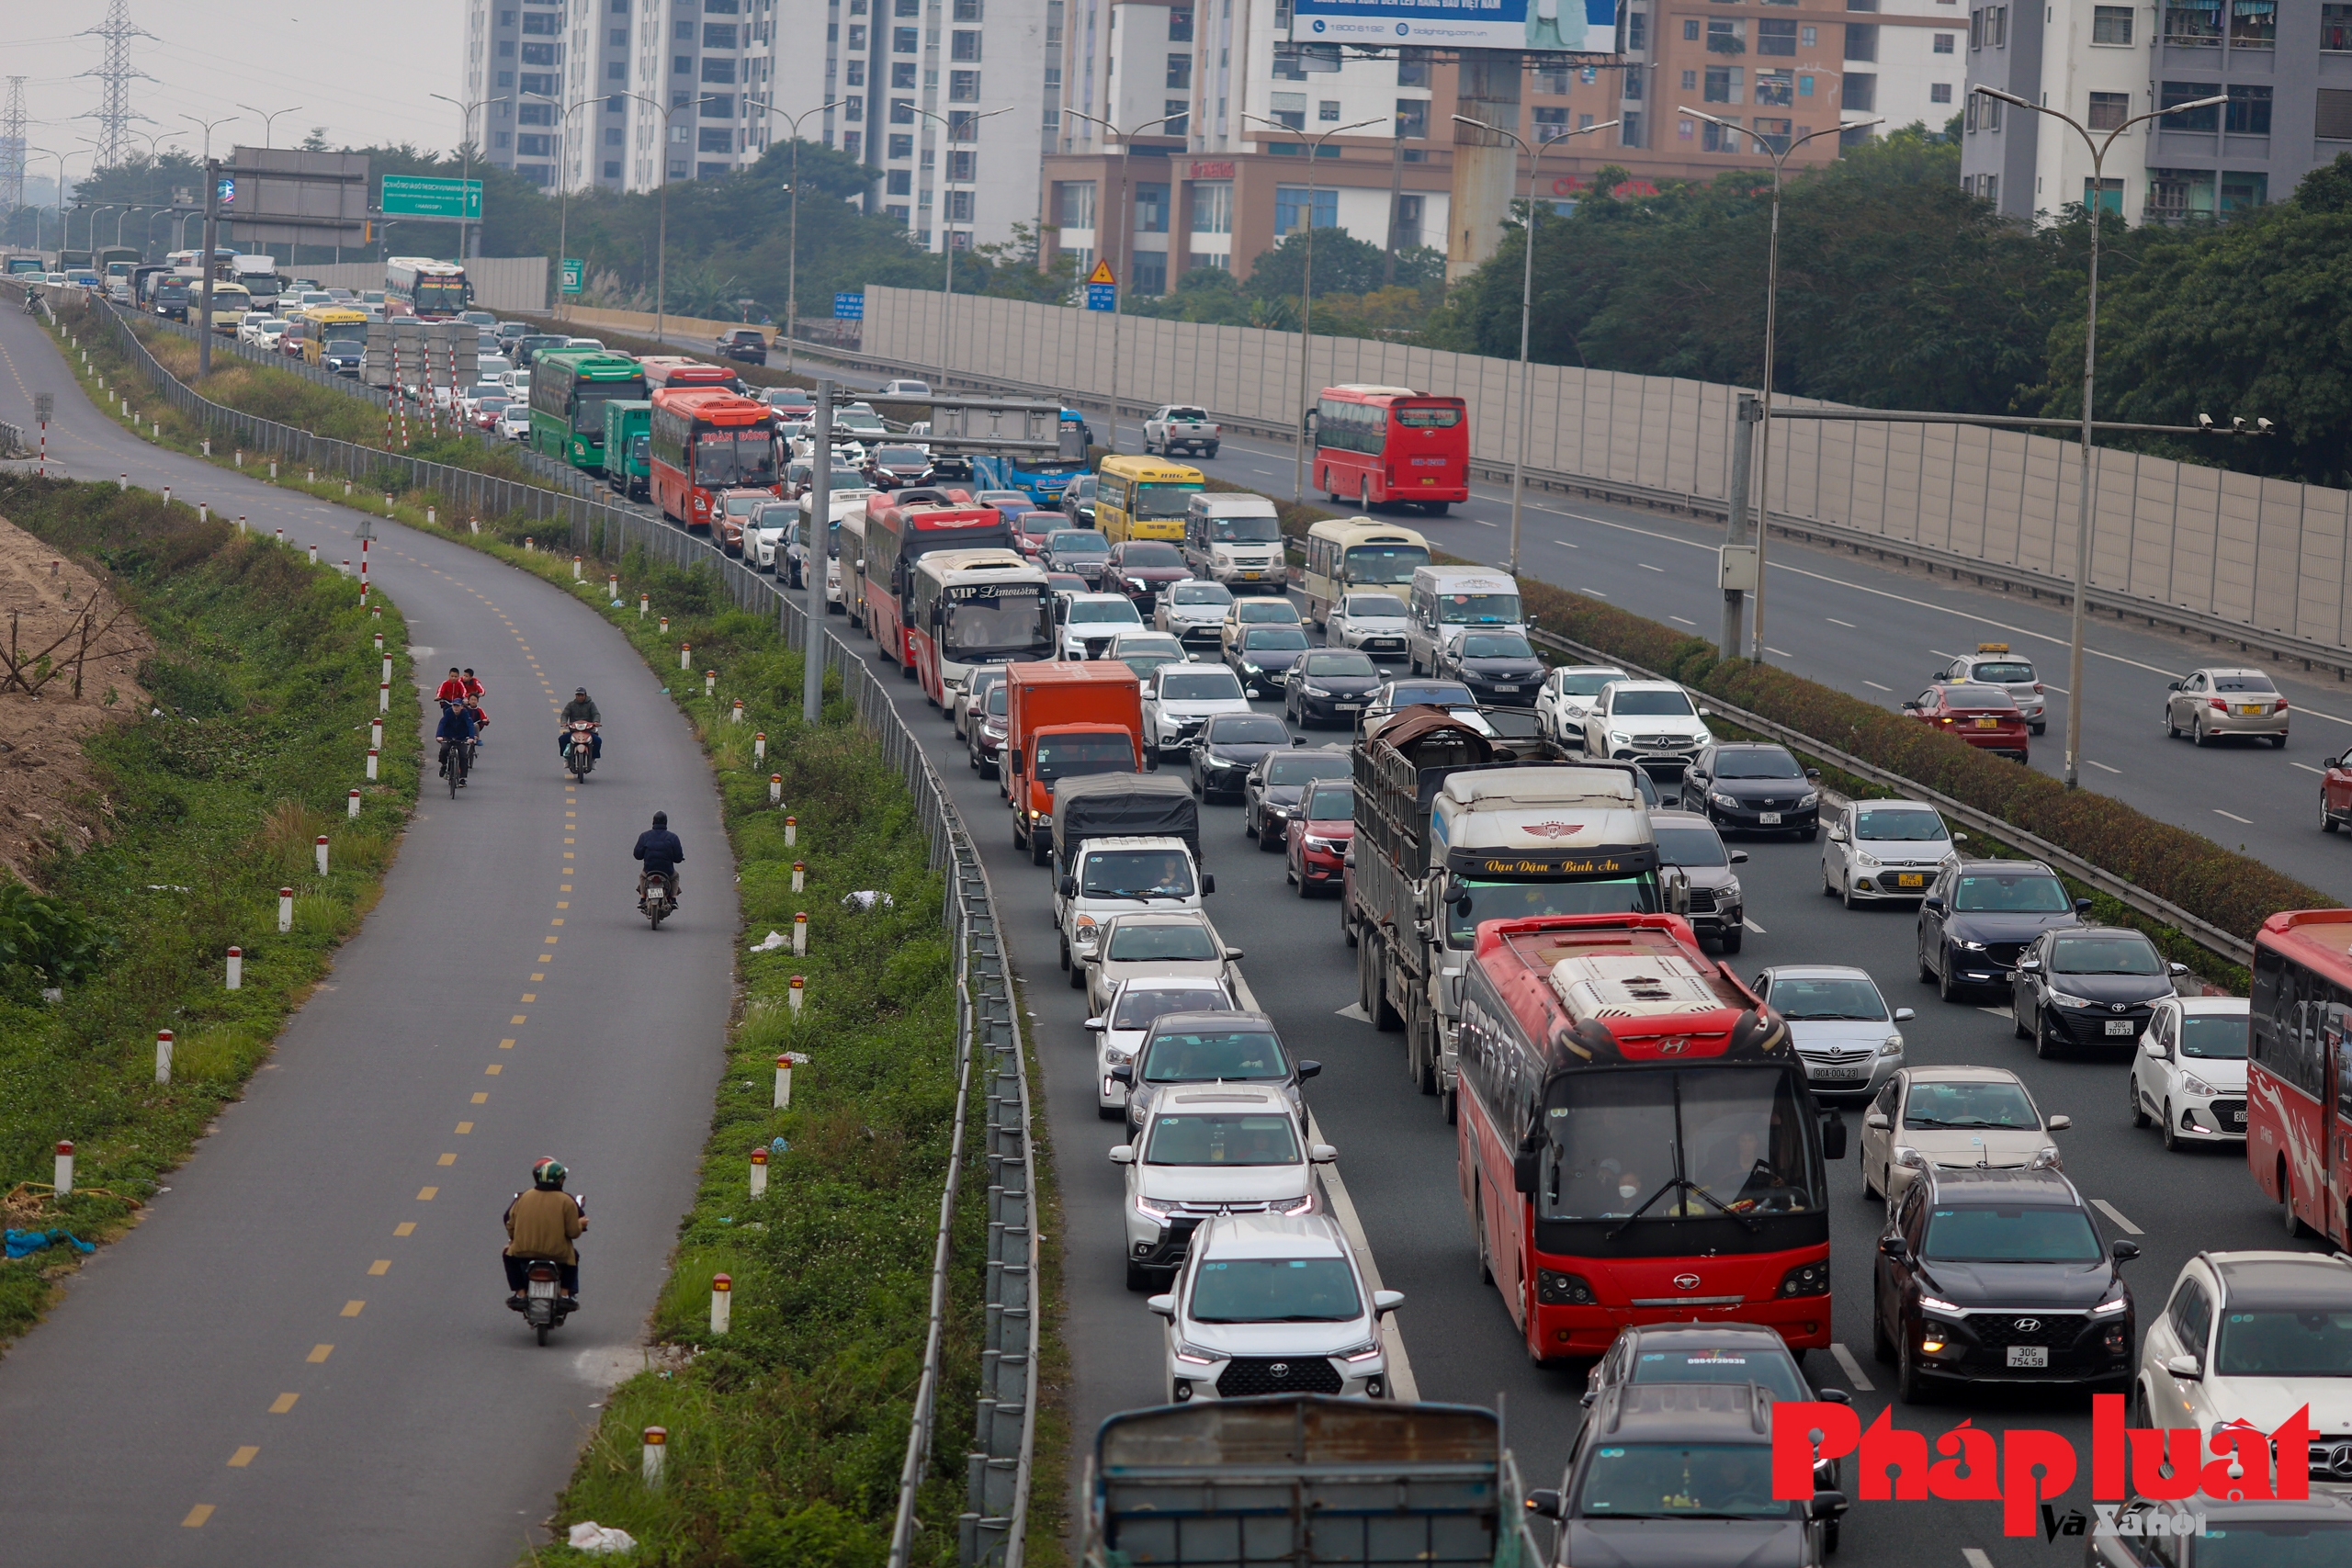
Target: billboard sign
[[1586, 26]]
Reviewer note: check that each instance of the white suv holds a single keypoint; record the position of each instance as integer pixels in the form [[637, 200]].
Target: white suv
[[1650, 722], [1272, 1304], [1179, 699], [1566, 699], [1116, 876], [1135, 1006], [1369, 623], [2249, 1338], [1205, 1150]]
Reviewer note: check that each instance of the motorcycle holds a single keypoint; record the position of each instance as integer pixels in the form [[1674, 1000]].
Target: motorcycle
[[579, 748], [657, 903], [543, 1304]]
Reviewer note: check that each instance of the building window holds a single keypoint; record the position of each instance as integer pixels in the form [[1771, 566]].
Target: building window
[[1861, 91], [615, 136], [534, 146], [1290, 109], [718, 106], [960, 167], [1413, 65], [718, 35], [1212, 207], [1939, 92], [2254, 24], [902, 74], [1074, 203], [499, 139], [1413, 117], [1727, 38], [1405, 228], [906, 40], [1177, 122], [903, 111], [1151, 207], [2180, 193], [899, 182], [542, 24], [1634, 85], [2109, 196], [856, 39], [1776, 37], [1714, 137], [1629, 129], [714, 139], [896, 213], [963, 46], [1148, 272], [963, 86], [967, 10], [1327, 111], [1552, 80], [1772, 133], [2335, 29], [854, 73], [2110, 110], [1637, 33], [1690, 81], [1775, 89], [1180, 71], [1861, 41], [617, 37], [2248, 111], [1690, 31], [899, 146], [616, 71], [535, 114], [1943, 43], [2207, 119], [681, 66], [1292, 202], [854, 144], [2111, 24], [1179, 24], [852, 111], [612, 168], [959, 207], [963, 125], [1809, 37], [1551, 125], [1722, 84]]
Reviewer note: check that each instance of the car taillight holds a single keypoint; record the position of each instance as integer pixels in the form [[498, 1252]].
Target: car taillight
[[2217, 704], [2281, 707]]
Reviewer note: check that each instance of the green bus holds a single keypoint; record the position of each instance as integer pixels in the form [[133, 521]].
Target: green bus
[[569, 391], [628, 424]]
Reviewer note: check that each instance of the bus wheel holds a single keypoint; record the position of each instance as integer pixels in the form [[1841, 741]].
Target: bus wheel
[[1437, 508], [1363, 495], [1485, 1257]]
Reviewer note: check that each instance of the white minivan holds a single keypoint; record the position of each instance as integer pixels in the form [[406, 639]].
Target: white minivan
[[1446, 601]]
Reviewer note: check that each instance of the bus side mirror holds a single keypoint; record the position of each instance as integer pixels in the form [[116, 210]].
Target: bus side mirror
[[1833, 1137], [1525, 1167]]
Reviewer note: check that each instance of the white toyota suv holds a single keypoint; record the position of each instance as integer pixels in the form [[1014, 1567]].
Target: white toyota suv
[[1179, 699], [1209, 1149], [1273, 1303], [2247, 1338], [1649, 722]]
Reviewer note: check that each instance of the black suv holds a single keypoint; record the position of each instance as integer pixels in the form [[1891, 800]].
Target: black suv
[[1979, 916], [1990, 1275], [747, 344], [2092, 986]]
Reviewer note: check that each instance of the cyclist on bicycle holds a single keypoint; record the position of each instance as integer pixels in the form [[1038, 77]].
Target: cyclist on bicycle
[[455, 730], [452, 688], [473, 698]]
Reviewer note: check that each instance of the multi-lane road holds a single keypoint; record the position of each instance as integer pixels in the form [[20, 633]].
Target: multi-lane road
[[303, 1353]]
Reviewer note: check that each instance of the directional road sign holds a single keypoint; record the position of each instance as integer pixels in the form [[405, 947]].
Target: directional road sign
[[425, 196], [574, 272], [849, 307]]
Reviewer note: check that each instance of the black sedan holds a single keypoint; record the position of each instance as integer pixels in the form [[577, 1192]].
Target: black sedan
[[1263, 654], [1078, 501], [1498, 667], [1229, 745], [898, 467], [1980, 915], [1995, 1274], [1272, 789], [1144, 569], [2092, 987], [1329, 684], [1754, 785], [1081, 552]]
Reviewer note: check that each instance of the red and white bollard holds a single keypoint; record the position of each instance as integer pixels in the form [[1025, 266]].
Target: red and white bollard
[[722, 1303], [657, 1443], [372, 755], [527, 546], [791, 831], [685, 656], [664, 622], [204, 511], [167, 495], [241, 521], [775, 789], [64, 1186], [314, 554], [321, 846], [736, 715], [575, 568], [162, 1055], [384, 697], [800, 934], [799, 876], [710, 683], [354, 803], [376, 732], [432, 516], [387, 667], [799, 990], [282, 536], [760, 746], [758, 1173], [784, 1083], [645, 603], [236, 969], [612, 586], [285, 910], [380, 646]]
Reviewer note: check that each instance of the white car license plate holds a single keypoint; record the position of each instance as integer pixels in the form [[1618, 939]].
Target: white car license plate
[[1347, 707], [2121, 1026], [1769, 818], [1838, 1073], [1505, 688], [2036, 1357]]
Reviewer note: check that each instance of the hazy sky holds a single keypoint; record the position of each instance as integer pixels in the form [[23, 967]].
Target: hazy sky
[[362, 71]]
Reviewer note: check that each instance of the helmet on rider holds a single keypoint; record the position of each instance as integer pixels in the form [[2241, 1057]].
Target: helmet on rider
[[548, 1173]]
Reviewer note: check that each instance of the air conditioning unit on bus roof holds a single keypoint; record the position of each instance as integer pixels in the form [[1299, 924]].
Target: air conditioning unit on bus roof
[[1632, 985]]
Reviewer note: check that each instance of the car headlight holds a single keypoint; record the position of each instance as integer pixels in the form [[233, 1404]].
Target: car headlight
[[1728, 894], [1306, 1205], [1115, 1057], [1965, 945], [1138, 583], [1554, 1288], [1150, 1211], [1363, 1352], [2046, 1157], [1251, 668], [2064, 1000], [1617, 740], [1726, 802], [1195, 1355], [2195, 1085], [1315, 691], [1908, 1157], [1806, 1280], [1811, 797], [1216, 761], [1891, 1046], [1325, 846], [2108, 1309], [1862, 858], [1937, 1303]]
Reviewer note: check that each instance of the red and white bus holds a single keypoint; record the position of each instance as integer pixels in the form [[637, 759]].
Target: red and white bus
[[430, 290], [1377, 445], [976, 607], [675, 370], [2298, 1116], [901, 526], [1637, 1142], [704, 442]]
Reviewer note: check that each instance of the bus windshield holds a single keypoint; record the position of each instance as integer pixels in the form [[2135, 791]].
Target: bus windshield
[[994, 617], [1163, 500], [1519, 900], [1244, 530], [733, 456], [1384, 563], [1477, 609], [440, 296], [1663, 1145]]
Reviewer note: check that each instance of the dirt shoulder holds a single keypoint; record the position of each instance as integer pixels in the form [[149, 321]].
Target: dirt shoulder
[[69, 658]]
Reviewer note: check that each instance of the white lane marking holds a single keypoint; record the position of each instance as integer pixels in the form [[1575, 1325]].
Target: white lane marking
[[1647, 567], [2000, 1012], [1835, 622], [1565, 545], [1401, 1383], [2112, 1212], [1751, 925], [1354, 1010], [1873, 685], [2305, 766], [1939, 653], [1967, 615], [1683, 622], [2102, 767], [2234, 816], [1974, 1558], [1778, 652], [1593, 592], [1480, 521], [1851, 1368]]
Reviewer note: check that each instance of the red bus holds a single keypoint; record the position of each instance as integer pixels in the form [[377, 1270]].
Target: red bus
[[1391, 444], [901, 526], [673, 370], [1637, 1142], [704, 442], [2298, 1115]]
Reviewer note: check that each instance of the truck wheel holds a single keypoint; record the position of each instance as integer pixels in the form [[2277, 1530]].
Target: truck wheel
[[1211, 450], [1020, 834], [1384, 1018], [1346, 925], [1041, 848]]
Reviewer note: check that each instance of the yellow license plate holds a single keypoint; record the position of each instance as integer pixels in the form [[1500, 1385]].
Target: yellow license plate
[[2251, 710], [1989, 724], [1910, 879]]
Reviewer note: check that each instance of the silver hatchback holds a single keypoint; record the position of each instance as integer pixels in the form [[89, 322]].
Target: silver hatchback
[[2206, 705]]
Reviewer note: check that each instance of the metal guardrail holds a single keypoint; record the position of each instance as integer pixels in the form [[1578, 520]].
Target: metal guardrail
[[1000, 1468], [2131, 895]]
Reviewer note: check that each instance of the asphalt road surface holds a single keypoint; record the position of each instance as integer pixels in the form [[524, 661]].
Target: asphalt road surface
[[303, 1355]]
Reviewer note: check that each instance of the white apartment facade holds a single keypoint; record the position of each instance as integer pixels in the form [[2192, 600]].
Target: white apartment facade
[[2088, 59]]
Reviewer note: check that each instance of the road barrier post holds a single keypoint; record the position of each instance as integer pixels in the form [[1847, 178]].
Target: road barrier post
[[799, 876], [657, 1441], [710, 683], [321, 846], [644, 603], [314, 554], [799, 990], [63, 1184], [758, 1173], [736, 717], [685, 656], [775, 789], [376, 726], [800, 934], [204, 511], [236, 969], [387, 667], [371, 763], [285, 910], [575, 568], [760, 746], [354, 803], [162, 1055], [722, 1303], [384, 697], [783, 1082], [791, 831]]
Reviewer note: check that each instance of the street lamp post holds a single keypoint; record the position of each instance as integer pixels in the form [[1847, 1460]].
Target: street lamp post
[[211, 241], [2099, 150], [947, 280], [1526, 306], [1771, 321], [792, 264], [118, 220], [661, 224], [465, 157], [60, 157], [268, 118], [1307, 295], [157, 216], [1125, 139], [563, 186]]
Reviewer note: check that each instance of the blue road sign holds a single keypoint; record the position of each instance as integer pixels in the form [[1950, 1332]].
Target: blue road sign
[[849, 307], [1101, 296]]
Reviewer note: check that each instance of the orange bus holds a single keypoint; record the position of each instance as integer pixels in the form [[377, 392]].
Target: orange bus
[[703, 442], [1377, 444], [902, 526]]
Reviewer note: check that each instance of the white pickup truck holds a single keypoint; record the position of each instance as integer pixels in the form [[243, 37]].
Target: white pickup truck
[[1179, 426]]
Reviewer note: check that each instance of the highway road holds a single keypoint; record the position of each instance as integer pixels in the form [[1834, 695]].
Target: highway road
[[303, 1353]]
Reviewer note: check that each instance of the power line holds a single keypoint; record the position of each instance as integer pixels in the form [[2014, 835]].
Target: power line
[[114, 113], [12, 148]]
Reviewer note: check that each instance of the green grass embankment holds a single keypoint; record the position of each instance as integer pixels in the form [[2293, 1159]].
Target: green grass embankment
[[265, 679]]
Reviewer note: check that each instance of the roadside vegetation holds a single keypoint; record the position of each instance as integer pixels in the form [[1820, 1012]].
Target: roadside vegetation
[[262, 690]]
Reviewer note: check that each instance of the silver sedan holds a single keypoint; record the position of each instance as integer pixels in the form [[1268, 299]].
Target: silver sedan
[[2206, 705]]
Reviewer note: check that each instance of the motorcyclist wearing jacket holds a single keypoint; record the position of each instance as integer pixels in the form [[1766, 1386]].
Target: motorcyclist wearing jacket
[[660, 850], [543, 1224], [580, 708]]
